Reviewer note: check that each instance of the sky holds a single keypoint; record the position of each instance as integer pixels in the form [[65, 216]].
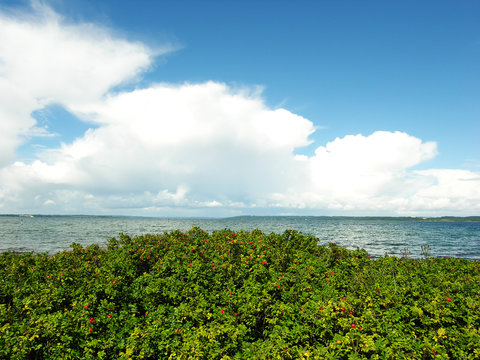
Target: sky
[[225, 108]]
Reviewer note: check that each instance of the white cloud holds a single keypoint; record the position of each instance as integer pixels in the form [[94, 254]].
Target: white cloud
[[44, 59], [207, 141], [361, 167], [191, 149], [449, 189]]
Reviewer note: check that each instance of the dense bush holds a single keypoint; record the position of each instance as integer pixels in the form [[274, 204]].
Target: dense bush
[[235, 295]]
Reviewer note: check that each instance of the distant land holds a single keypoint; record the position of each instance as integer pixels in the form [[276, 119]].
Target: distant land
[[389, 218]]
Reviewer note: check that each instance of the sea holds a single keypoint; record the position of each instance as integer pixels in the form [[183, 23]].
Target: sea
[[412, 237]]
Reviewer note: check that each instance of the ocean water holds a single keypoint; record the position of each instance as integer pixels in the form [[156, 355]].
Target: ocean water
[[378, 237]]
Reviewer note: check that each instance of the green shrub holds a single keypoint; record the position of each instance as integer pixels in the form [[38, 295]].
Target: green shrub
[[243, 295]]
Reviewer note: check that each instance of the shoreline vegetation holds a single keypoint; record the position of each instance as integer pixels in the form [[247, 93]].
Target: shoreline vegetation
[[236, 295]]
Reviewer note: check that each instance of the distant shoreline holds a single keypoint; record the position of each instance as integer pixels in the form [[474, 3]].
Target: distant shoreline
[[394, 218], [373, 218]]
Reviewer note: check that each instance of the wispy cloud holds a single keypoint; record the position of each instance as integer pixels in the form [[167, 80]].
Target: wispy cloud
[[45, 59]]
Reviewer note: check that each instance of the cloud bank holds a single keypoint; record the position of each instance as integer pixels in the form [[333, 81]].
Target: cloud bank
[[189, 149]]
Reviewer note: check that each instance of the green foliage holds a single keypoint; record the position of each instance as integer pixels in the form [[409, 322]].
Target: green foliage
[[227, 295]]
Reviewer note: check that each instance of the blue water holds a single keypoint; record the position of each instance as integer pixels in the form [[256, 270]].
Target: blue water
[[377, 236]]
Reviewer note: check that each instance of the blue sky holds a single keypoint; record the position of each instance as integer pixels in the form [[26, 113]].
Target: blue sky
[[406, 71], [349, 67]]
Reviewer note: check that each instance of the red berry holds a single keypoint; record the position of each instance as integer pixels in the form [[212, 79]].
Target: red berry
[[91, 320], [86, 306], [448, 299], [353, 325], [222, 311], [89, 329]]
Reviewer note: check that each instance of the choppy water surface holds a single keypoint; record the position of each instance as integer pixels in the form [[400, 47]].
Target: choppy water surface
[[392, 236]]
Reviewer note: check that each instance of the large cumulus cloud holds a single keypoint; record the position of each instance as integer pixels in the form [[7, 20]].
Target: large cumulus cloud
[[189, 149]]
